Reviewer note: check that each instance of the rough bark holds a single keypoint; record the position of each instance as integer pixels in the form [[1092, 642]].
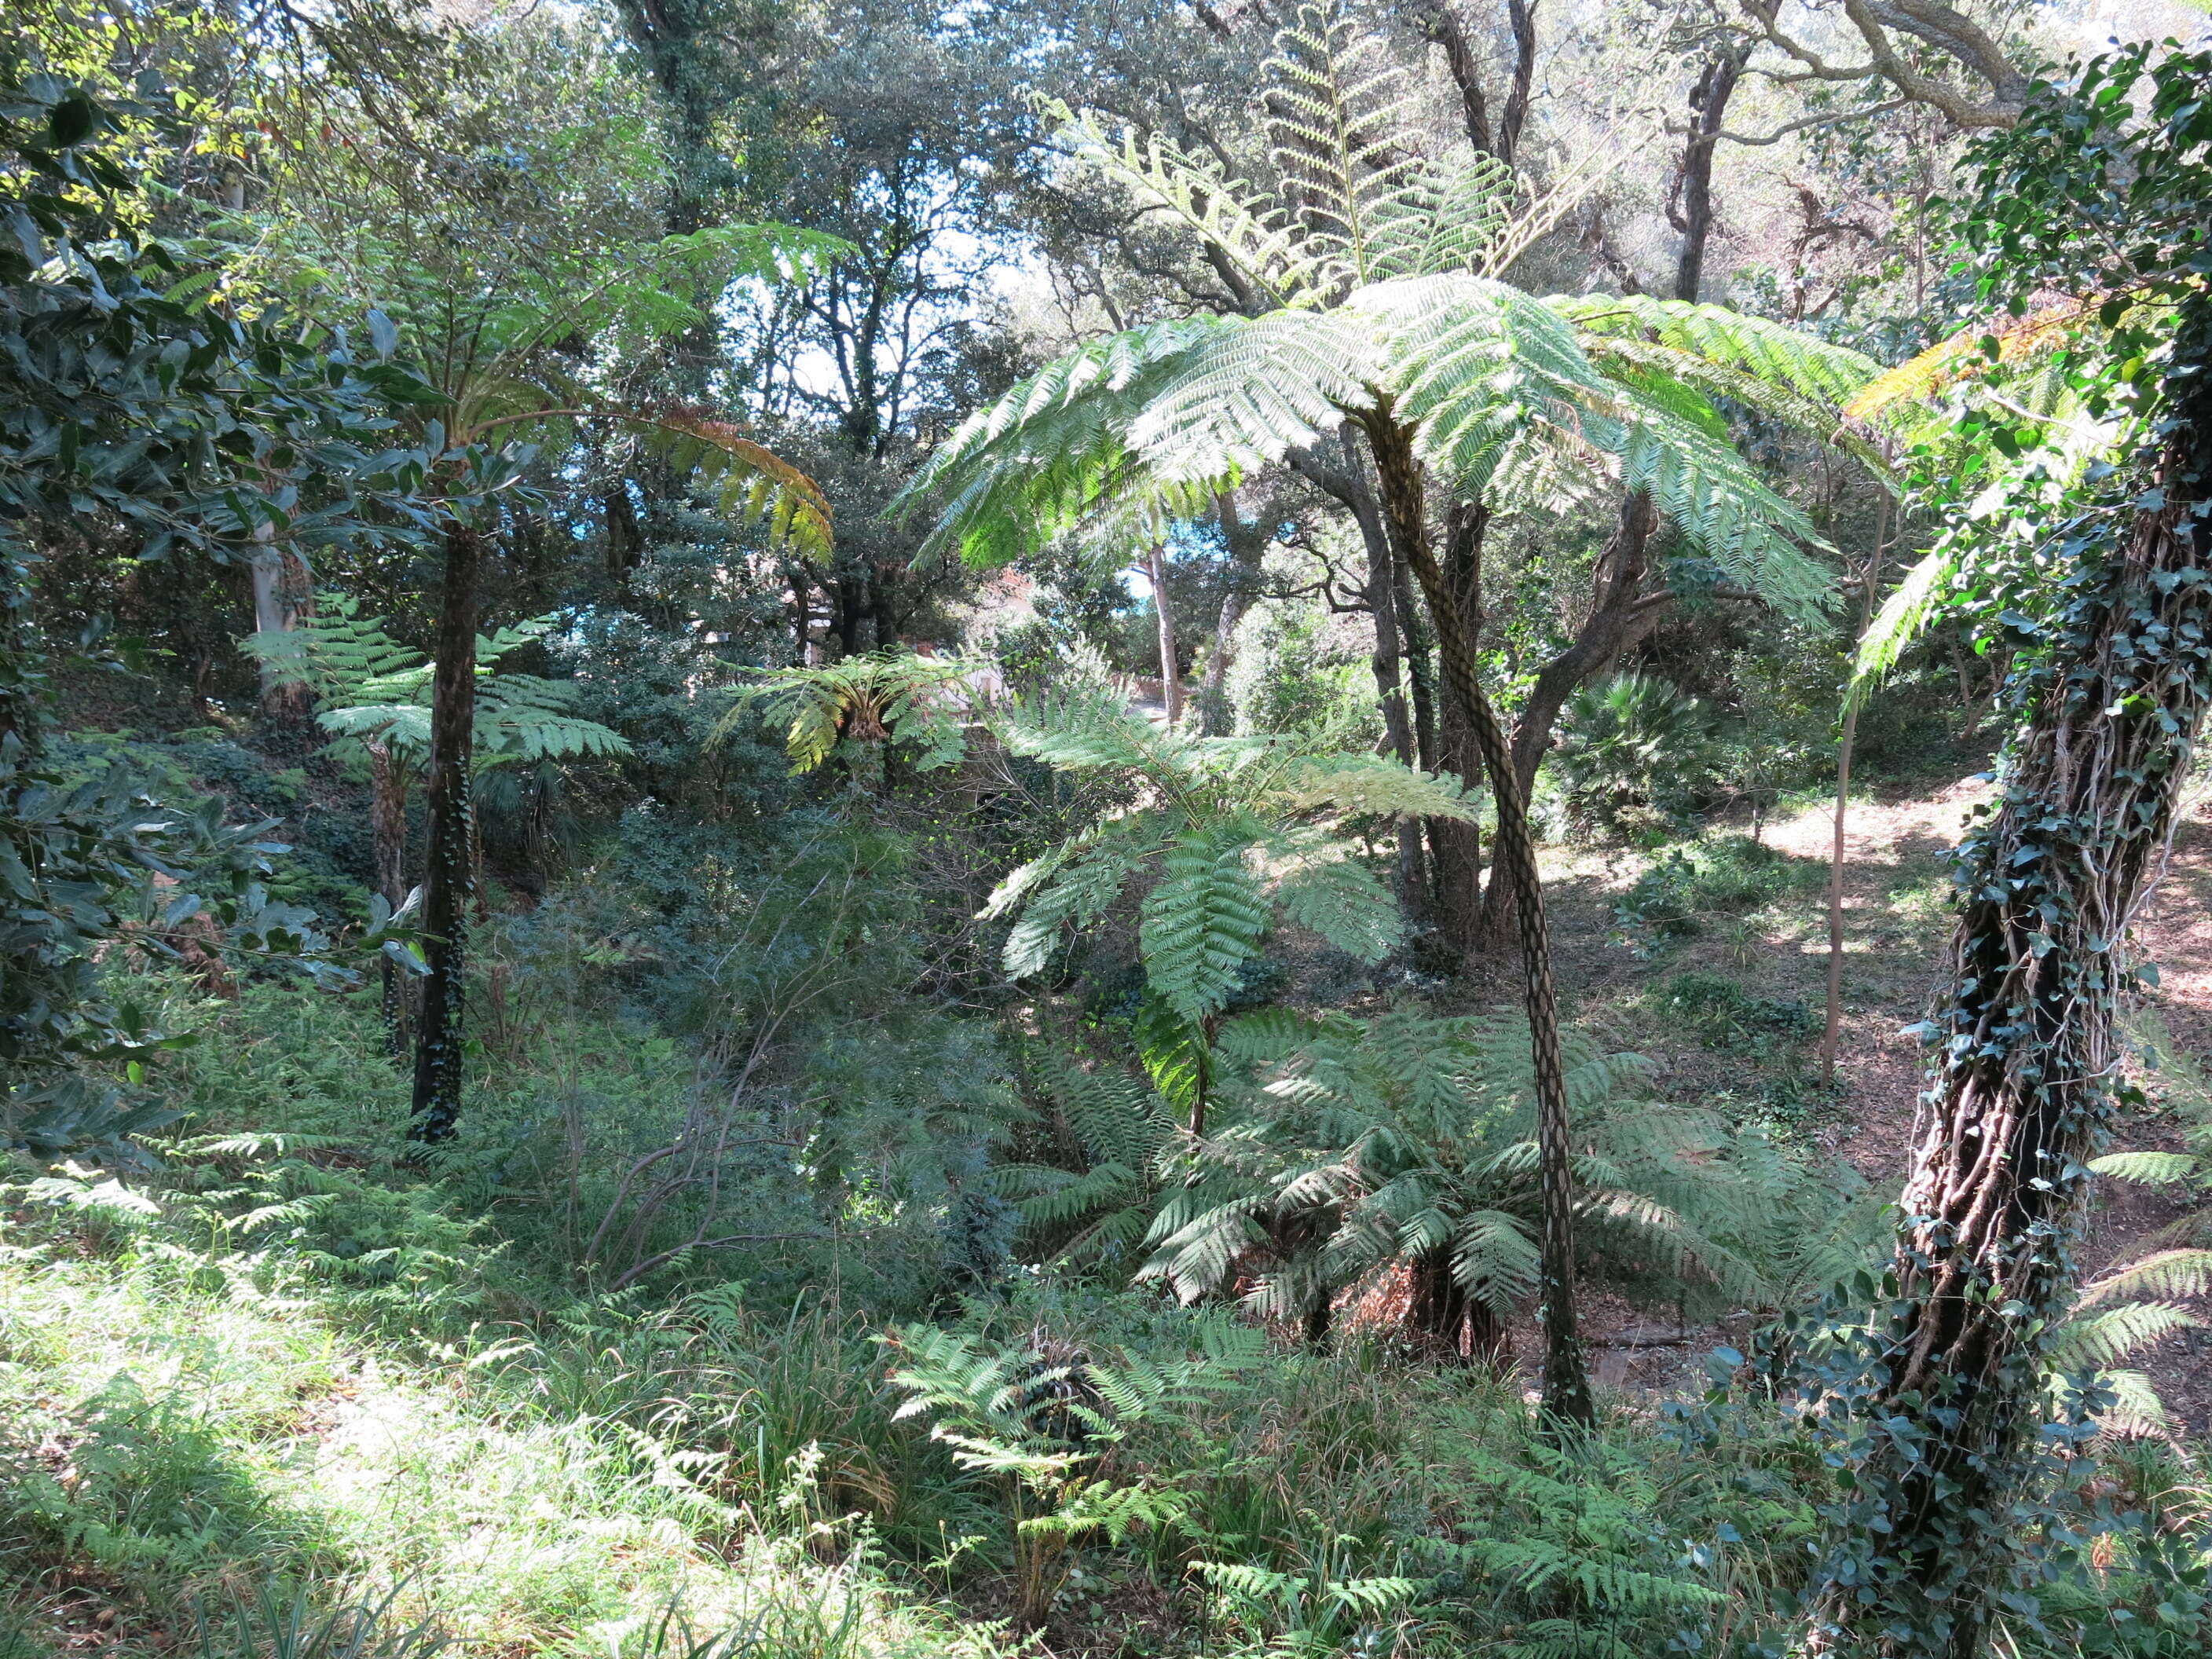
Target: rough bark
[[2026, 1057], [450, 862], [1691, 209], [1566, 1396], [1621, 613], [1455, 847]]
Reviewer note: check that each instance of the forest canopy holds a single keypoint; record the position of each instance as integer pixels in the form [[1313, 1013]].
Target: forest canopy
[[1105, 828]]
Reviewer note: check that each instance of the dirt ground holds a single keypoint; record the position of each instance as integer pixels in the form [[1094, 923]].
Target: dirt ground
[[1896, 926]]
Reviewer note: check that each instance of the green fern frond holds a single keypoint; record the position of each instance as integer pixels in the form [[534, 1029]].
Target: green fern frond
[[1341, 900], [2168, 1273], [2098, 1340], [1203, 922], [2149, 1169]]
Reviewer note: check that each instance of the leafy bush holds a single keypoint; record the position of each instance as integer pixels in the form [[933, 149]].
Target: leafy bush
[[1634, 757], [1725, 1016], [1296, 674], [1721, 875]]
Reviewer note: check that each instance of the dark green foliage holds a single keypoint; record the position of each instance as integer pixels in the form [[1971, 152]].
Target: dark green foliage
[[1724, 1016], [174, 431], [1634, 757], [1721, 876]]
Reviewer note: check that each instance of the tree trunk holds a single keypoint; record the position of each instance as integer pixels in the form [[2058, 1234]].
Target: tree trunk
[[1397, 725], [438, 1055], [1566, 1382], [2023, 1085], [1436, 1305], [1156, 567], [283, 598], [387, 783], [1248, 547], [1455, 847], [1620, 612], [1419, 686], [1691, 209], [1867, 589]]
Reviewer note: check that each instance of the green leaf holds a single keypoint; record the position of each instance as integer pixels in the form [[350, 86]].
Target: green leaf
[[1203, 922]]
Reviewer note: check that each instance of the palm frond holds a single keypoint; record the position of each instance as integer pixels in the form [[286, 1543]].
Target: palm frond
[[756, 485]]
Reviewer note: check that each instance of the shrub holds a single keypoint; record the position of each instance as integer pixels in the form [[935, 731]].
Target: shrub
[[1725, 1016], [1723, 875], [1634, 757]]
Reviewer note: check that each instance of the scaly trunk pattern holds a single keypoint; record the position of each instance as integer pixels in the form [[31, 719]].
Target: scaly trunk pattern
[[1566, 1382], [437, 1055]]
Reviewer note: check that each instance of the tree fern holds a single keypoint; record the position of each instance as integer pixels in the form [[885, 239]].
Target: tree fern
[[1234, 828]]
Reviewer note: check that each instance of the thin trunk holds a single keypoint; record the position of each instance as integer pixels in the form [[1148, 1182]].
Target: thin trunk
[[1521, 17], [1866, 590], [283, 598], [1620, 612], [802, 598], [387, 783], [2026, 1063], [1248, 546], [1691, 211], [1156, 567], [449, 863], [1455, 847], [1397, 727], [1419, 684], [1566, 1396]]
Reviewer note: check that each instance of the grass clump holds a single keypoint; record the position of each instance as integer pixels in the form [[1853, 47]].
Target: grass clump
[[1684, 890], [1726, 1018]]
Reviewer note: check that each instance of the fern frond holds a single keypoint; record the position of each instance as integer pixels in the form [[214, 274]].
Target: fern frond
[[1203, 922], [1372, 785], [756, 483], [2168, 1273], [2098, 1340], [1341, 900], [1246, 227]]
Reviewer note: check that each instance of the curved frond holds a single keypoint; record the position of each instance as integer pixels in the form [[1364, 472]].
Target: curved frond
[[756, 483]]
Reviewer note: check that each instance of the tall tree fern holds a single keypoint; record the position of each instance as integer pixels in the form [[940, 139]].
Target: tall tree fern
[[1376, 306]]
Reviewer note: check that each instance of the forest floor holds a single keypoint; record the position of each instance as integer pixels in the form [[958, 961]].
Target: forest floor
[[1768, 969]]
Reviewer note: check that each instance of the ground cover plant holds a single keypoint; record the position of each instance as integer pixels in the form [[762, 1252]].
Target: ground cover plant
[[880, 832]]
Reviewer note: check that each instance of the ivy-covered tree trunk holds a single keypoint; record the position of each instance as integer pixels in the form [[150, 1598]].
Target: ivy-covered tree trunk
[[1566, 1382], [450, 863], [2025, 1078]]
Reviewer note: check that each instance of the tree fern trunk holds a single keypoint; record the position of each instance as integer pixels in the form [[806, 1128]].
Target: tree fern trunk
[[1435, 1306], [1566, 1383], [2023, 1087], [1454, 845], [450, 860], [1621, 613]]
